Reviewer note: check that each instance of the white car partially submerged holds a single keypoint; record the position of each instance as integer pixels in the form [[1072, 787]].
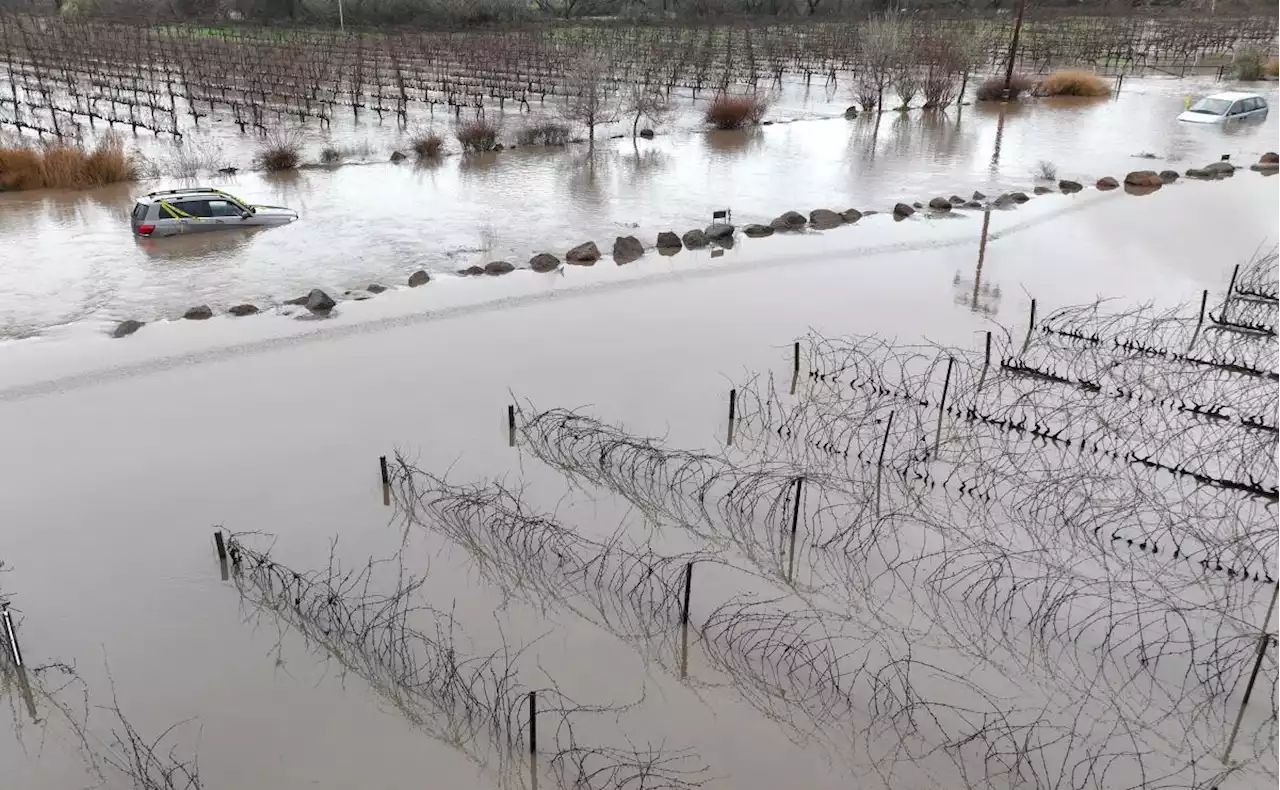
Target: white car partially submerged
[[1222, 107]]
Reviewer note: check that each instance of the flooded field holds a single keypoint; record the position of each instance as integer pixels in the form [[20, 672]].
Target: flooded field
[[974, 498], [378, 222], [122, 457]]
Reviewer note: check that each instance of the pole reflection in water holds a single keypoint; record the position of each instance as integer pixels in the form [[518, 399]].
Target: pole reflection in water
[[973, 293]]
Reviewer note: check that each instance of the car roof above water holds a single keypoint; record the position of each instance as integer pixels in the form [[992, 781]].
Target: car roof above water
[[165, 194], [1234, 96]]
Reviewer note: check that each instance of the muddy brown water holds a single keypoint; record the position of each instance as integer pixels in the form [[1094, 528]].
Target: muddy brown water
[[378, 222], [120, 456]]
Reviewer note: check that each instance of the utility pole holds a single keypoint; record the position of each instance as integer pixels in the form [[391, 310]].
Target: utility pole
[[1013, 46]]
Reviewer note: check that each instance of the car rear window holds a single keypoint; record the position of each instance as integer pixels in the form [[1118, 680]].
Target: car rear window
[[139, 211]]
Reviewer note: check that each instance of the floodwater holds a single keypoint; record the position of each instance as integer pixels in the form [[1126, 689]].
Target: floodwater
[[121, 456], [377, 222]]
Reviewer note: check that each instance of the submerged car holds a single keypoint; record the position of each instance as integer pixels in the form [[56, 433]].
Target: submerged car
[[197, 210], [1222, 107]]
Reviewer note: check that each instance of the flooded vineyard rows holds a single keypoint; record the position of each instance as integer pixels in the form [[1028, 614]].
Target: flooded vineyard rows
[[1046, 554], [979, 495]]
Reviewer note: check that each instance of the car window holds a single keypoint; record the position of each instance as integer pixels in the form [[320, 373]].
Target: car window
[[196, 208], [1211, 106], [223, 208], [139, 212]]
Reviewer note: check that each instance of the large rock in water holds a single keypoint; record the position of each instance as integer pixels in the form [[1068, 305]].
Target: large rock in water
[[1107, 183], [544, 262], [319, 302], [419, 278], [757, 231], [1269, 158], [902, 210], [126, 328], [627, 249], [1220, 169], [1069, 187], [719, 231], [1168, 176], [498, 267], [198, 313], [1019, 197], [1042, 189], [940, 204], [851, 215], [695, 240], [1143, 178], [825, 219], [668, 240], [790, 220], [584, 254], [376, 288], [241, 310], [397, 156]]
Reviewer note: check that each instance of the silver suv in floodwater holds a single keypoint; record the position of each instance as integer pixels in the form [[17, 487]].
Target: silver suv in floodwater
[[200, 209]]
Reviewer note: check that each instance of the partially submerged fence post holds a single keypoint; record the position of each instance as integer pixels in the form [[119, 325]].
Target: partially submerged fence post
[[386, 481], [222, 552], [942, 404], [1031, 327], [1263, 638], [884, 444], [1204, 303], [511, 426], [795, 522], [11, 635], [733, 410], [1231, 288], [533, 739], [684, 621], [795, 367]]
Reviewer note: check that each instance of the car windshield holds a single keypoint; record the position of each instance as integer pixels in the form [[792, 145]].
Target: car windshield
[[1211, 106]]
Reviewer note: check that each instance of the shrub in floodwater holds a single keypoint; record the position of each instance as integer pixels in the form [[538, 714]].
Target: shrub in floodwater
[[280, 151], [1249, 64], [735, 112], [477, 135], [330, 155], [1073, 83], [65, 165], [1046, 170], [993, 88], [545, 133], [427, 145]]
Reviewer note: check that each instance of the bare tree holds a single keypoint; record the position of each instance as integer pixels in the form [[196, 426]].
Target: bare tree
[[644, 98], [590, 100], [883, 45]]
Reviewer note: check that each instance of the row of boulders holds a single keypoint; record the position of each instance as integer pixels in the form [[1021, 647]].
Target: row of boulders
[[317, 301]]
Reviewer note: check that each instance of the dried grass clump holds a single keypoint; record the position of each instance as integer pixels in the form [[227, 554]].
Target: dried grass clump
[[1073, 83], [1249, 64], [280, 151], [65, 165], [478, 135], [1273, 67], [993, 89], [427, 145], [545, 133], [735, 112]]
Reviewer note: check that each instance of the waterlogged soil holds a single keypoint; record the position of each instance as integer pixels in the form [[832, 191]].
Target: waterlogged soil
[[121, 456], [71, 265]]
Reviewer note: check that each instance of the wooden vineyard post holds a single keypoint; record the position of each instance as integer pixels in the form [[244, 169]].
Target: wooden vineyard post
[[795, 523], [684, 621]]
